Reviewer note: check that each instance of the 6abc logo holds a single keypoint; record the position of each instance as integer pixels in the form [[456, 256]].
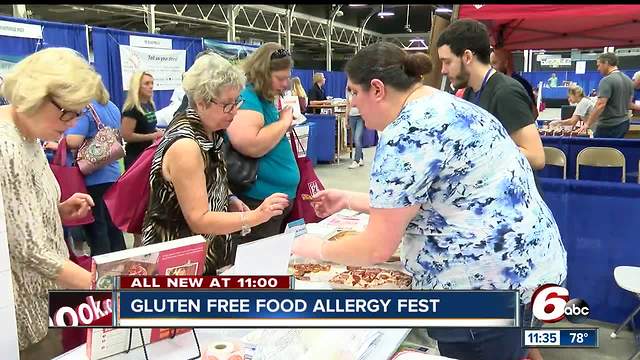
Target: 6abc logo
[[550, 304]]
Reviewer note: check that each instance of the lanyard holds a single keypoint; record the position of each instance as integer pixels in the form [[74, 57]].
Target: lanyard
[[476, 99]]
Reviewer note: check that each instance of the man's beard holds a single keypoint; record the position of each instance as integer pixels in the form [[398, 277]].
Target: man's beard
[[462, 79]]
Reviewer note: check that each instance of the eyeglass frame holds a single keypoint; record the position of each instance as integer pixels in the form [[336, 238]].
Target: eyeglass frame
[[64, 112], [229, 107]]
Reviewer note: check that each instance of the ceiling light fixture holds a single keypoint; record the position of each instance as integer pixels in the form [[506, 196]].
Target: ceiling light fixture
[[383, 13], [407, 27], [444, 10], [357, 5]]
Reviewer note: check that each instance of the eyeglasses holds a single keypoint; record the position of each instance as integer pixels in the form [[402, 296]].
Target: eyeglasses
[[229, 107], [66, 115], [280, 53]]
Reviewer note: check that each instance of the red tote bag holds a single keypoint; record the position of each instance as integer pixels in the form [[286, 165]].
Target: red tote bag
[[71, 181], [309, 184], [127, 199], [74, 337]]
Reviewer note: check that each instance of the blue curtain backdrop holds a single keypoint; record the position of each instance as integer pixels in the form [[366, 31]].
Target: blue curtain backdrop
[[335, 85], [106, 53], [53, 35]]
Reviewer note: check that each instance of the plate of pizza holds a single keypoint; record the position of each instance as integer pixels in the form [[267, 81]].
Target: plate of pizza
[[356, 277], [311, 271]]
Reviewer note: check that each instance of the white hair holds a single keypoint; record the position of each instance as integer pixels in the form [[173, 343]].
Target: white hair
[[209, 75], [636, 75]]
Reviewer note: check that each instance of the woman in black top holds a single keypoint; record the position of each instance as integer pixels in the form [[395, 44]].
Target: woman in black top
[[139, 117], [316, 93]]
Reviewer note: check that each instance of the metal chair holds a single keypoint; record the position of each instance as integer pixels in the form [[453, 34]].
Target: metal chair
[[628, 278], [601, 157], [556, 157]]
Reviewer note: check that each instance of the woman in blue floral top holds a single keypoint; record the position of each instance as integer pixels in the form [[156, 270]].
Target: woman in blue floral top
[[450, 185]]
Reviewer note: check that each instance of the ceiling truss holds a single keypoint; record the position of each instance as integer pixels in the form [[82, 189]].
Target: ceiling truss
[[253, 18]]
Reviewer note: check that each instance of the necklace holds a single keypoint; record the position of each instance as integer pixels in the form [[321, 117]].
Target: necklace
[[404, 103]]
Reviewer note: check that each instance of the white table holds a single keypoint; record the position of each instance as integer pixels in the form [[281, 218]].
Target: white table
[[183, 346]]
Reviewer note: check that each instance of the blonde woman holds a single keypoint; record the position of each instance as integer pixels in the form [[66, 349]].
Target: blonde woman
[[584, 107], [189, 189], [48, 91], [298, 90], [316, 93], [139, 117], [258, 131]]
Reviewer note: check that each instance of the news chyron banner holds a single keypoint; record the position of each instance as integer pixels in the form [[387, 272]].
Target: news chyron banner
[[270, 302]]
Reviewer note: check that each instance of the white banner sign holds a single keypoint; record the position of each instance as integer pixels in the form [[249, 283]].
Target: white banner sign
[[166, 66], [543, 57], [581, 67], [31, 31], [555, 62], [150, 42]]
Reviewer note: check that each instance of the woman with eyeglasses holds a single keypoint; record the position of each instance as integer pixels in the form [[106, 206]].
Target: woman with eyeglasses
[[139, 117], [189, 191], [259, 131], [47, 91]]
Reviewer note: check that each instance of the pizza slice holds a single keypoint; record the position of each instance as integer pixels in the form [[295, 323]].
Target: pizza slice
[[368, 278]]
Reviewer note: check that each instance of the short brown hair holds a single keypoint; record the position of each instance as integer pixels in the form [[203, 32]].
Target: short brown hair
[[259, 66], [610, 58]]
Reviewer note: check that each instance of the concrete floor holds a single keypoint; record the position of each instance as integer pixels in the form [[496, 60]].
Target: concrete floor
[[340, 177]]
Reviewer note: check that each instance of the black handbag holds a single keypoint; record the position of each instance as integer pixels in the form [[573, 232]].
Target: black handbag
[[242, 171]]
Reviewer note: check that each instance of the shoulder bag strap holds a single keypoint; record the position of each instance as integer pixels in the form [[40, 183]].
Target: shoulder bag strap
[[96, 118]]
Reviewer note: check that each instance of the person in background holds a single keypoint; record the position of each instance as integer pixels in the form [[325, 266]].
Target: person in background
[[258, 131], [298, 90], [47, 92], [615, 97], [357, 130], [553, 80], [449, 187], [584, 107], [464, 51], [189, 192], [138, 117], [102, 235], [317, 96], [502, 60]]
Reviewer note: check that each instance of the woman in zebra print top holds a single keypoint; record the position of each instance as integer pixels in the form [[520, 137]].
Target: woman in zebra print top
[[189, 191]]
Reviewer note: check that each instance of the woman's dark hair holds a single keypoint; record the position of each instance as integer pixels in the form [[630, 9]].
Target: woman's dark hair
[[467, 34], [388, 63]]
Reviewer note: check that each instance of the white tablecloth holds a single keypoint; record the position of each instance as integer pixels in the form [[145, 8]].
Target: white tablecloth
[[183, 346]]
